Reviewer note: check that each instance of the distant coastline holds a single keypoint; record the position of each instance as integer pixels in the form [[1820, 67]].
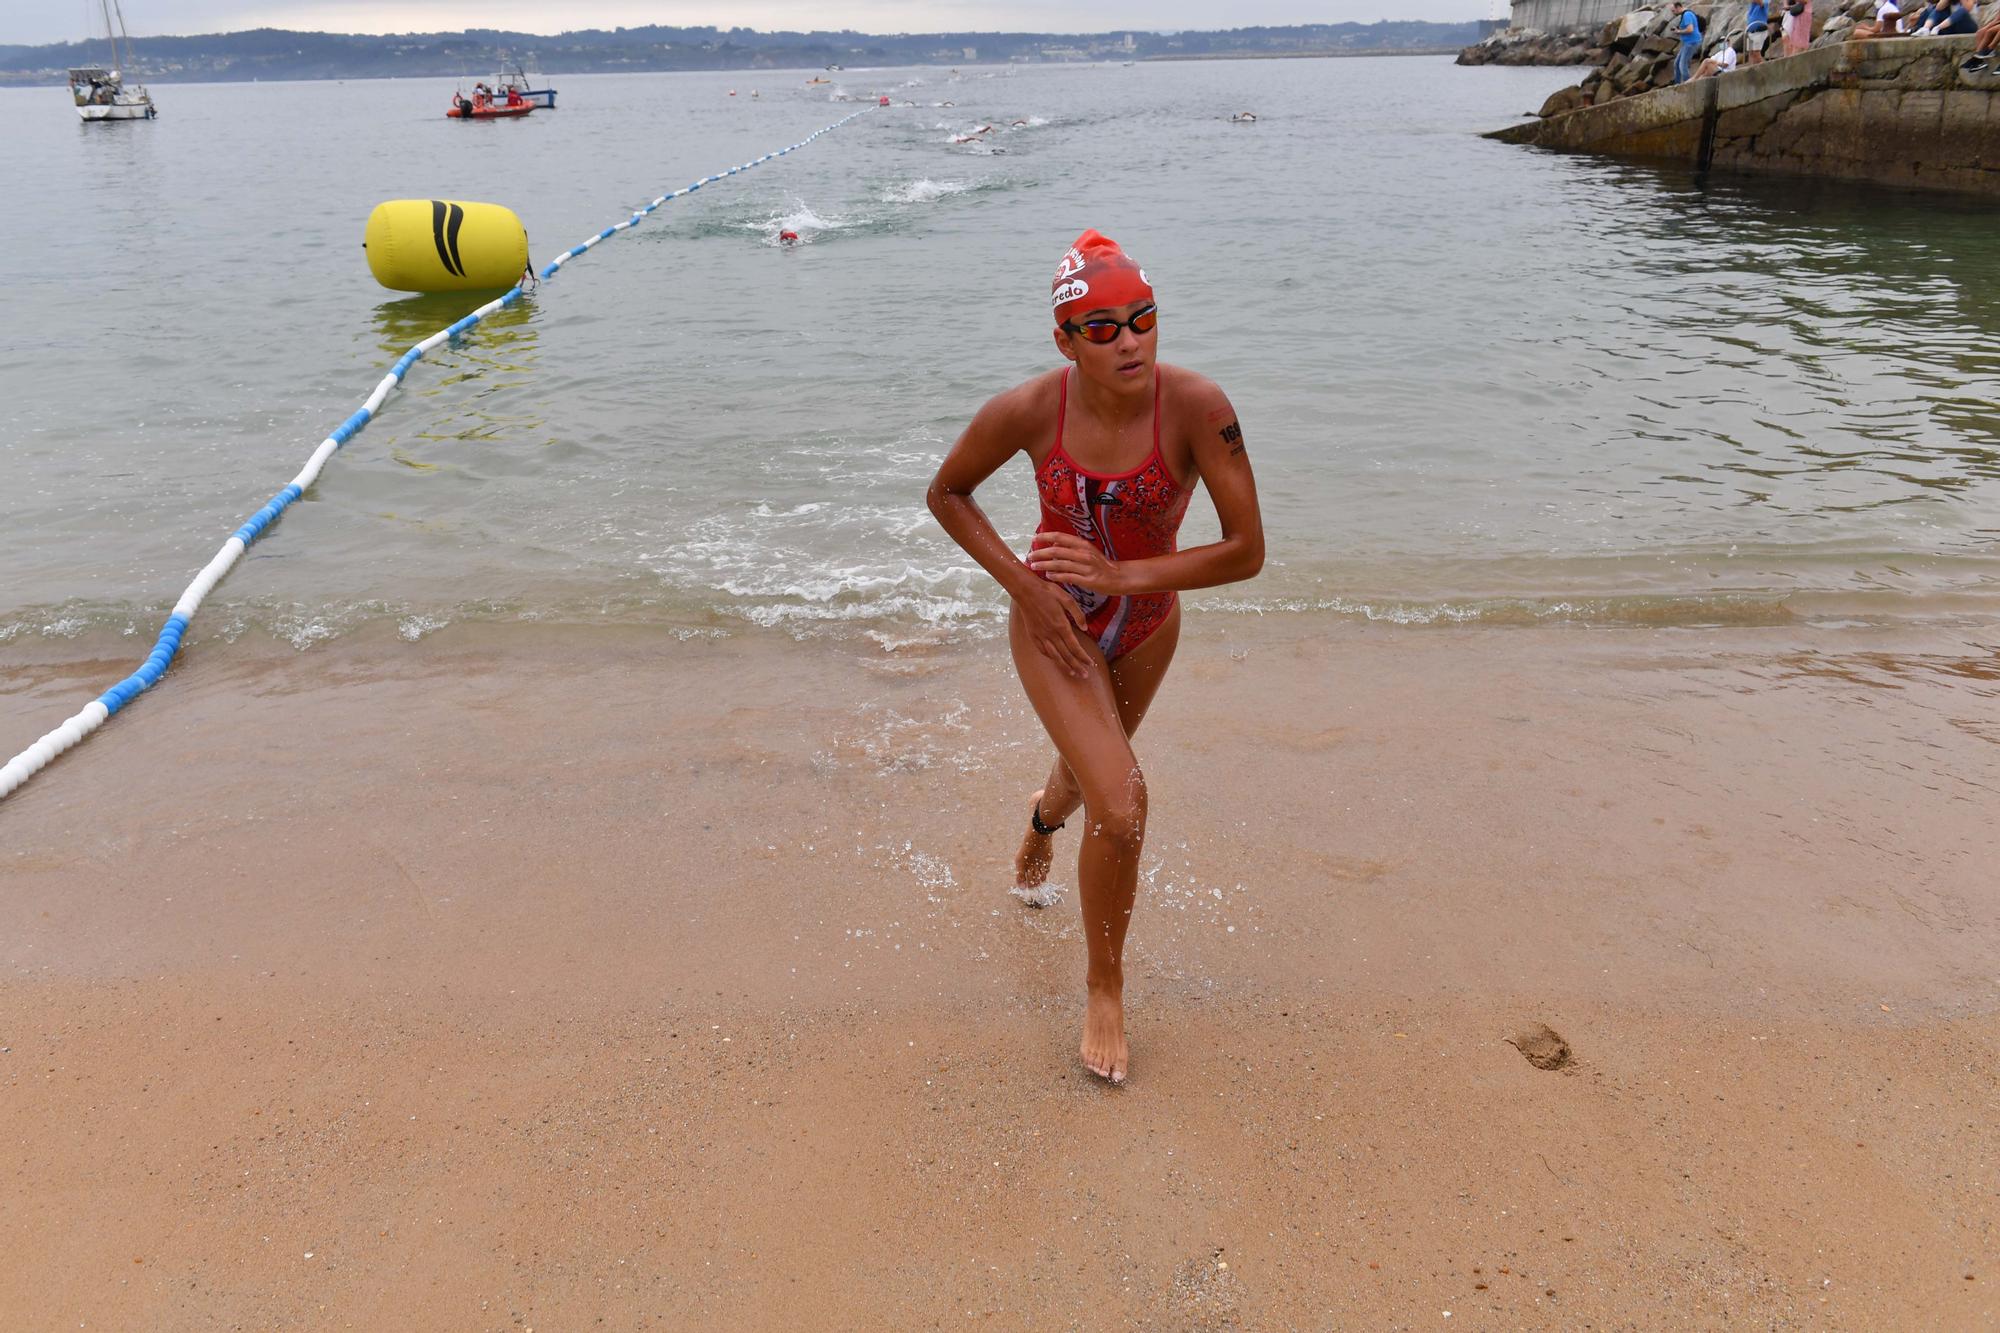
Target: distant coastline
[[1317, 55], [277, 55]]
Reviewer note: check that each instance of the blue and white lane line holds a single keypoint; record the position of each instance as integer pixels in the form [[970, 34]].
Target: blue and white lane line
[[95, 713]]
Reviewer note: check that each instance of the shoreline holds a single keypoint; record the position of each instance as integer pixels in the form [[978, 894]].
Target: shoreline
[[510, 980], [41, 78]]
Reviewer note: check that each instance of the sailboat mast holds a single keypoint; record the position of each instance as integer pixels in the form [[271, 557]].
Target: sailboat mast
[[120, 9]]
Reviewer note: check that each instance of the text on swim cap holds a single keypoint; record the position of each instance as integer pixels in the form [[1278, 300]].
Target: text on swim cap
[[1074, 289]]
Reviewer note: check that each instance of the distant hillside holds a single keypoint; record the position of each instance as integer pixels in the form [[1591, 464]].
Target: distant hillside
[[272, 53]]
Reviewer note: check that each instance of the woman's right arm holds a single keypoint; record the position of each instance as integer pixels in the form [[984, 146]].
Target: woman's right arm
[[1054, 620]]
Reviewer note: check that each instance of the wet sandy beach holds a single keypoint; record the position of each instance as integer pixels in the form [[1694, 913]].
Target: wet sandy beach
[[538, 977]]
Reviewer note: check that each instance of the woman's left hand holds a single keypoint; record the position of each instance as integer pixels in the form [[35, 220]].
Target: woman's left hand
[[1068, 558]]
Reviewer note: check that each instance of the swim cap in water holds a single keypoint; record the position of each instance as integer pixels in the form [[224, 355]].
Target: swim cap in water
[[1096, 275]]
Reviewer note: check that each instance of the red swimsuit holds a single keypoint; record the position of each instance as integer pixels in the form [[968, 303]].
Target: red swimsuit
[[1127, 515]]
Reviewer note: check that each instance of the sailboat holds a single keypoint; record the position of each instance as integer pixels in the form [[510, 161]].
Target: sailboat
[[103, 94]]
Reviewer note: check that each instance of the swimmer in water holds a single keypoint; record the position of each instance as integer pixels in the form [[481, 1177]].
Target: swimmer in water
[[1117, 446], [788, 237]]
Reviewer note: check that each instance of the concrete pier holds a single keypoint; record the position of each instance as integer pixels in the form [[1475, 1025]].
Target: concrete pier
[[1898, 111]]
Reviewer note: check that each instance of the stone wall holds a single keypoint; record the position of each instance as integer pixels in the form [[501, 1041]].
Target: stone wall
[[1565, 15], [1897, 111]]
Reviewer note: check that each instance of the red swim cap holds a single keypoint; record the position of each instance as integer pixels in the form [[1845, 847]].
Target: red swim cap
[[1096, 275]]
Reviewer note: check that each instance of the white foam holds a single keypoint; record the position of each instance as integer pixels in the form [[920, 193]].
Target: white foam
[[1046, 894], [303, 632], [413, 628], [801, 222], [923, 191], [932, 872]]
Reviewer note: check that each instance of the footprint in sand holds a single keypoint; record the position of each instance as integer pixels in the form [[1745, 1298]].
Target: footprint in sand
[[1542, 1046]]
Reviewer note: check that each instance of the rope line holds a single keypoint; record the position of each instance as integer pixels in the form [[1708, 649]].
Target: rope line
[[95, 713]]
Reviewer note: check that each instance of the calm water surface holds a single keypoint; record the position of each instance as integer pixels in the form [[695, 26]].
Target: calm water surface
[[1479, 383]]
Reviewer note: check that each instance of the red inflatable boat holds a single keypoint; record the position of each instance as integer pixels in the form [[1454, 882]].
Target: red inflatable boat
[[482, 106]]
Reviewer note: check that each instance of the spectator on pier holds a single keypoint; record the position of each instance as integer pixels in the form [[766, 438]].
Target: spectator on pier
[[1720, 61], [1932, 14], [1688, 26], [1960, 21], [1756, 33], [1798, 26], [1981, 59], [1888, 22]]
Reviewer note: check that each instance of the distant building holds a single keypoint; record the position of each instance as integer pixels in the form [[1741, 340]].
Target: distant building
[[1568, 15], [971, 54]]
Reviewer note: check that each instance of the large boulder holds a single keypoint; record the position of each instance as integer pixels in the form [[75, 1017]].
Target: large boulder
[[1565, 99], [1637, 76], [1727, 23], [1624, 32]]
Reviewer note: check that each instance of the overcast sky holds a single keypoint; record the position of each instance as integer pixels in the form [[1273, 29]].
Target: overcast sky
[[36, 21]]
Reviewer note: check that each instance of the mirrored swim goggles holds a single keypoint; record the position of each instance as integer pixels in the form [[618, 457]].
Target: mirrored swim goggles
[[1107, 330]]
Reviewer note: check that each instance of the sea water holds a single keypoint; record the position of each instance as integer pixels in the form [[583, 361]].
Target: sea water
[[1480, 384]]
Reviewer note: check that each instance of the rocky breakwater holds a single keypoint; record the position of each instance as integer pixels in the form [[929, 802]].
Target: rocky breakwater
[[1531, 46], [1897, 111], [1639, 54], [1640, 46]]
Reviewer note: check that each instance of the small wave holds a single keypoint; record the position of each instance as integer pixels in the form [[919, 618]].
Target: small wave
[[803, 618], [922, 191], [1665, 611], [801, 221], [412, 628], [61, 627]]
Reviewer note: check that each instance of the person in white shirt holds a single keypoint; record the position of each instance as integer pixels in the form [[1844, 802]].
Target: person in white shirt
[[1888, 22], [1721, 61]]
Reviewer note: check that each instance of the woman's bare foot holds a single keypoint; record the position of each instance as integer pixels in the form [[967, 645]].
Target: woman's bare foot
[[1103, 1051], [1031, 864]]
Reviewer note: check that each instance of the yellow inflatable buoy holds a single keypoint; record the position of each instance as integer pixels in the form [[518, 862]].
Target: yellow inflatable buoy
[[445, 245]]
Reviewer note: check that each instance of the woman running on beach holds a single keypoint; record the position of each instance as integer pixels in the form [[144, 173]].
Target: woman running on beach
[[1118, 442]]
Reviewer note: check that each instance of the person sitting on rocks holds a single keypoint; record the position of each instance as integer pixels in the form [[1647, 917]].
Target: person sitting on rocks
[[1960, 21], [1756, 33], [1888, 22], [1688, 26], [1981, 59], [1930, 16], [1720, 61]]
